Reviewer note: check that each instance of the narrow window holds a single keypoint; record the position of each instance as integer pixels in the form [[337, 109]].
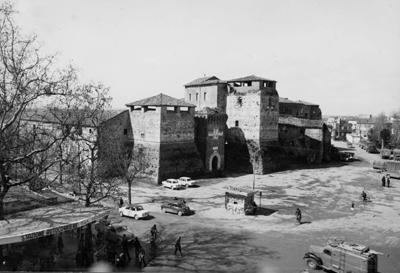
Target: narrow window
[[125, 131], [205, 96], [190, 97], [197, 96], [90, 131], [236, 123]]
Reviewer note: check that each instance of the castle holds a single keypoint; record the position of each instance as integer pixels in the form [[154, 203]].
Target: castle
[[240, 124]]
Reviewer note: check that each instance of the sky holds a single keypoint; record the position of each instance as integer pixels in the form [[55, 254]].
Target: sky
[[341, 54]]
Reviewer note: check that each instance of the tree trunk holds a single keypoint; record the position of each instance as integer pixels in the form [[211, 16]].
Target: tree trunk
[[129, 192], [2, 207]]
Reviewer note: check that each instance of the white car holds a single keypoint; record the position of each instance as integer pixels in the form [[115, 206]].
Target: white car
[[172, 184], [134, 211], [187, 181]]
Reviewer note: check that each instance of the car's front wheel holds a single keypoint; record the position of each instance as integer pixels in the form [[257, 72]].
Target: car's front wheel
[[312, 263], [136, 217], [180, 213]]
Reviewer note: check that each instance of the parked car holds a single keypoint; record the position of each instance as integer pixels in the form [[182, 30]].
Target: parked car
[[134, 211], [172, 184], [339, 256], [177, 206], [187, 181], [116, 232]]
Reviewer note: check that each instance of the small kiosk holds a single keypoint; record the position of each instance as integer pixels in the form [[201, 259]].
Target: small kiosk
[[242, 203]]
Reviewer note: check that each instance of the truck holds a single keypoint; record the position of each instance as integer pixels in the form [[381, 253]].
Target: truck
[[340, 256]]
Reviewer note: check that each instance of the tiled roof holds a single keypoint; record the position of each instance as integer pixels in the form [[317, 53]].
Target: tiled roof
[[160, 100], [286, 100], [204, 81], [250, 78]]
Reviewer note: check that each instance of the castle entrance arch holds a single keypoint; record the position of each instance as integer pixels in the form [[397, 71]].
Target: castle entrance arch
[[215, 162]]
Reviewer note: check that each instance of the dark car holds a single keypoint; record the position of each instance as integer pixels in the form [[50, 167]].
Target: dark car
[[177, 206]]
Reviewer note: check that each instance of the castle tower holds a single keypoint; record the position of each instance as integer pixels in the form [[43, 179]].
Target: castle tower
[[209, 96], [253, 112], [163, 132]]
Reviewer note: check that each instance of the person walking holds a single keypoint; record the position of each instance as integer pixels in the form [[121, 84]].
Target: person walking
[[121, 202], [388, 180], [383, 180], [137, 246], [178, 246], [141, 258], [364, 196], [60, 244], [298, 215], [125, 248]]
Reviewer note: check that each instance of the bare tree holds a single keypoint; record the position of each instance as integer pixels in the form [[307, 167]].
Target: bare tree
[[90, 112], [27, 80]]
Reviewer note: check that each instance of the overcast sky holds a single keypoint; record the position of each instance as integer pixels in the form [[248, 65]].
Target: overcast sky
[[341, 54]]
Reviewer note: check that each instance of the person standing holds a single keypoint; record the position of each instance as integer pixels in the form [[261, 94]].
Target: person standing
[[383, 180], [178, 246], [60, 244], [121, 202], [388, 180], [137, 246], [125, 248], [298, 215]]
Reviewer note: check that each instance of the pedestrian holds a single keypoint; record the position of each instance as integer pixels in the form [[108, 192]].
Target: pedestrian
[[178, 246], [125, 248], [154, 232], [352, 205], [60, 244], [298, 215], [121, 202], [383, 180], [364, 196], [137, 246], [142, 261], [388, 180]]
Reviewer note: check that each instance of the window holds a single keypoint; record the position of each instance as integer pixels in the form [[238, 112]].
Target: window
[[125, 131], [170, 109], [142, 134], [190, 97], [236, 123], [327, 252], [184, 109], [90, 131], [197, 96], [205, 96]]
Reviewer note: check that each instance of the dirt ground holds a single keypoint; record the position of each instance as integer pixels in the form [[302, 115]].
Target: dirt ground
[[216, 240]]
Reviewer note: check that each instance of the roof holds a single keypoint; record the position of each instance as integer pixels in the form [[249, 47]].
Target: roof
[[250, 78], [161, 100], [40, 222], [204, 81], [286, 100]]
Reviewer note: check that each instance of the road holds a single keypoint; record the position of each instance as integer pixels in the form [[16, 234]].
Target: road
[[216, 240]]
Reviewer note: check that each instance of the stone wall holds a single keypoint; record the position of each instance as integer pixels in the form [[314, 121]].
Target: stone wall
[[303, 144], [300, 110], [179, 159], [146, 125], [176, 126]]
